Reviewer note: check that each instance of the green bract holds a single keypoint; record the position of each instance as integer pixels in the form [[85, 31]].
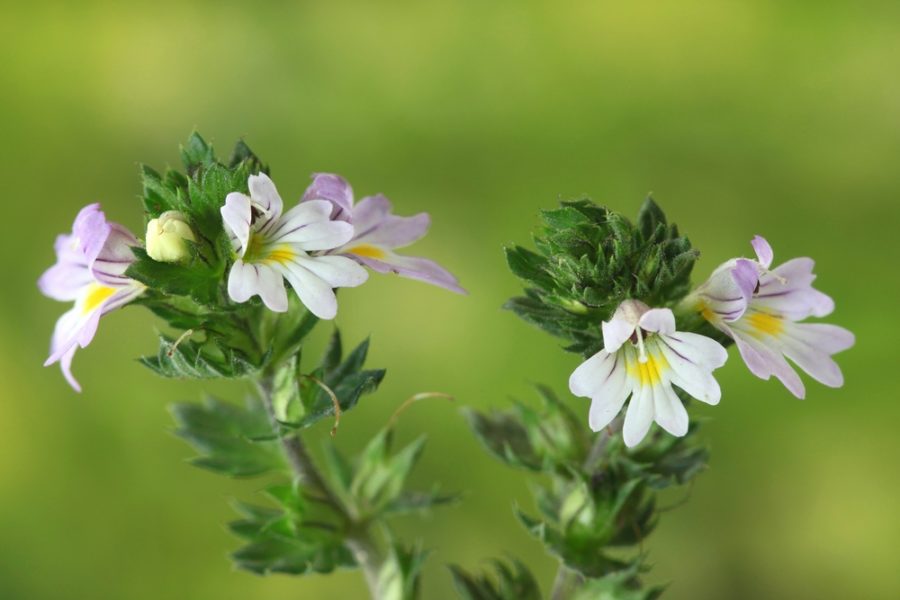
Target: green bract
[[588, 260]]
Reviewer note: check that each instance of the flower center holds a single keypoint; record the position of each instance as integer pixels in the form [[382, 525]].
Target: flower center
[[258, 251], [650, 370], [765, 324]]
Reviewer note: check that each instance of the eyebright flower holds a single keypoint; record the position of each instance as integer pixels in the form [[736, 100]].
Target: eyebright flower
[[378, 232], [760, 308], [643, 357], [90, 270], [167, 237], [271, 246]]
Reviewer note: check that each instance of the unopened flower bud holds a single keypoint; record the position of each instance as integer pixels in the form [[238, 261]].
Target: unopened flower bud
[[167, 237]]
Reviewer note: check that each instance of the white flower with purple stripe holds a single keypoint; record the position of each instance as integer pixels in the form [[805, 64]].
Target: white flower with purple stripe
[[270, 246], [760, 308], [644, 357], [378, 233], [90, 270]]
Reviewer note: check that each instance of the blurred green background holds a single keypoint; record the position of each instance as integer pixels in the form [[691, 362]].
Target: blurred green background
[[779, 118]]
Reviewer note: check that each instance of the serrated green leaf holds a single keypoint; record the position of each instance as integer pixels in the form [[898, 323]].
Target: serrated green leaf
[[231, 440]]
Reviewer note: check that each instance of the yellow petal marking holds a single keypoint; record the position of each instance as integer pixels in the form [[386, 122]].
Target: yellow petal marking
[[764, 323], [650, 372], [281, 254], [704, 309], [96, 296], [368, 251]]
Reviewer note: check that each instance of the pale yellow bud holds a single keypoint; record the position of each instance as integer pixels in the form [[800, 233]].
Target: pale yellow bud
[[167, 236]]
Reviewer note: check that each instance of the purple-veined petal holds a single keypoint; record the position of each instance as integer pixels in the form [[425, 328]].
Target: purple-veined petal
[[336, 190], [724, 296], [390, 231], [669, 411], [91, 230], [307, 226], [370, 213], [660, 320], [810, 345], [115, 257], [639, 416], [236, 216], [787, 290], [602, 379], [66, 279], [382, 260], [251, 279], [314, 293], [763, 250], [688, 370], [265, 198], [336, 271], [704, 351], [765, 360]]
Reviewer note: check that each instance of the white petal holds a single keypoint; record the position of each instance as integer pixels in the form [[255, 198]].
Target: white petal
[[639, 416], [265, 196], [593, 373], [765, 360], [314, 293], [616, 332], [248, 280], [660, 320], [670, 412], [602, 378], [236, 215], [337, 271], [305, 213], [807, 345], [764, 253], [690, 375], [697, 348], [325, 235]]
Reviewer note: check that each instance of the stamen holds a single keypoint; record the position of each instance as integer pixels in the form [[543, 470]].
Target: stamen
[[779, 278], [180, 339], [262, 209], [642, 352]]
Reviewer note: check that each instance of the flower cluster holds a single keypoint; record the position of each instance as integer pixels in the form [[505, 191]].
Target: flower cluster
[[322, 243], [758, 307], [319, 244]]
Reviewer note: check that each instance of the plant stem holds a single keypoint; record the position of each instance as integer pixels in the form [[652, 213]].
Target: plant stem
[[358, 537], [568, 581]]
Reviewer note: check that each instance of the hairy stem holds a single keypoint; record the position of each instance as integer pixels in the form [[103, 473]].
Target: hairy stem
[[358, 538], [568, 581]]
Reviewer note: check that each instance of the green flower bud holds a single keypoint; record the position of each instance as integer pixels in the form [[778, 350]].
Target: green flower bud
[[167, 237]]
